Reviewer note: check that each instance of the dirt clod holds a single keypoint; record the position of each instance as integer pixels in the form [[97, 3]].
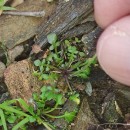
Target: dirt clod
[[20, 81]]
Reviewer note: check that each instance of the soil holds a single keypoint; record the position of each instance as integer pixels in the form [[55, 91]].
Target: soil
[[107, 107]]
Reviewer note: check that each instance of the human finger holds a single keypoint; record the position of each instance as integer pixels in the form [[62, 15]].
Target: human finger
[[108, 11], [113, 50]]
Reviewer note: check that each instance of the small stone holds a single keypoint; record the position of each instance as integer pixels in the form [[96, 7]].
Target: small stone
[[2, 68], [16, 51]]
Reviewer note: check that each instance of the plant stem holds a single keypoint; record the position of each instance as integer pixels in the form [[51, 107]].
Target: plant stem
[[55, 107], [21, 123], [87, 65], [54, 116], [30, 14], [48, 126], [66, 79], [58, 72], [55, 47]]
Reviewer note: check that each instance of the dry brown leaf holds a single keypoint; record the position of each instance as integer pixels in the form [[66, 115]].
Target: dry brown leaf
[[46, 54], [36, 48]]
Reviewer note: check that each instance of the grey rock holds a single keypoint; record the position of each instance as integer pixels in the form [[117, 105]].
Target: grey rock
[[91, 38], [16, 51], [19, 28], [85, 117]]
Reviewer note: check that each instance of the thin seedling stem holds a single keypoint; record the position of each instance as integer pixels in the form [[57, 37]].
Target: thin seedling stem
[[30, 14]]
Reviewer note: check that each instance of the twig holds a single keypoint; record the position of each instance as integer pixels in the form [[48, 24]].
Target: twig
[[30, 14], [66, 79]]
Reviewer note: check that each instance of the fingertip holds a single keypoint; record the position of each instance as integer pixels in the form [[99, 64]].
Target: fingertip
[[113, 50]]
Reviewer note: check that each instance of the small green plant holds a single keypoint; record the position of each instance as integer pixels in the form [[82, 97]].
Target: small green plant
[[40, 110], [2, 7], [64, 60]]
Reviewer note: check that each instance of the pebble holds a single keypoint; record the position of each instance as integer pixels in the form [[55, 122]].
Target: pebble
[[16, 51]]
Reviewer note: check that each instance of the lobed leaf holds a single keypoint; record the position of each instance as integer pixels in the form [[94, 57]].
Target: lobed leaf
[[69, 116], [52, 38], [37, 62], [11, 118]]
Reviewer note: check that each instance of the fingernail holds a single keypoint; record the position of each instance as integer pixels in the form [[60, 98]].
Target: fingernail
[[113, 51]]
